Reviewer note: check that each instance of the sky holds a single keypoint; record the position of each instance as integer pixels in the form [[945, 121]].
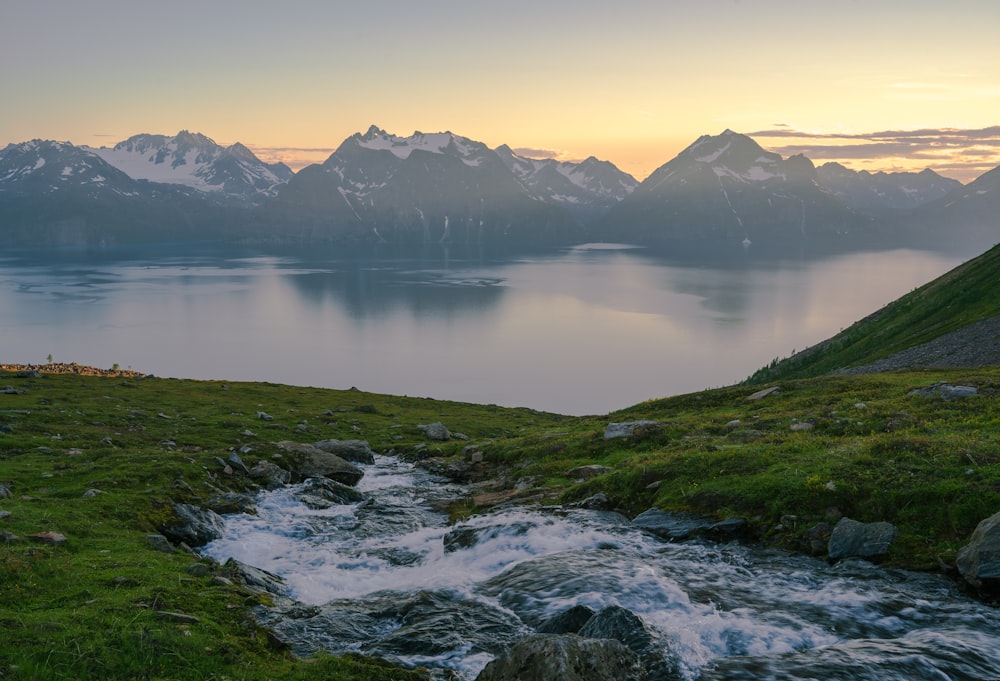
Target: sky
[[874, 84]]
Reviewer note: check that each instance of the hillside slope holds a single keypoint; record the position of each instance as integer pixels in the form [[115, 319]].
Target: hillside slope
[[951, 321]]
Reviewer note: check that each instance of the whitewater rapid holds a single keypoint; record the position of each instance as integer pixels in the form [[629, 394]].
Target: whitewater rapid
[[389, 576]]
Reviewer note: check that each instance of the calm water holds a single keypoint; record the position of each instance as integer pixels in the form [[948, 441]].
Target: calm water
[[588, 330]]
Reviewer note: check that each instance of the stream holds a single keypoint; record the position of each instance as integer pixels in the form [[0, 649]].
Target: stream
[[388, 576]]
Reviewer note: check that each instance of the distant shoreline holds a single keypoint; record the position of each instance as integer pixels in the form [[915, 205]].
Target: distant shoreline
[[71, 368]]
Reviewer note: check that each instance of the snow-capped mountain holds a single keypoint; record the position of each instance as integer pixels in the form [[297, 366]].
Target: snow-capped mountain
[[46, 167], [884, 193], [425, 188], [193, 160], [54, 193], [587, 189], [727, 189]]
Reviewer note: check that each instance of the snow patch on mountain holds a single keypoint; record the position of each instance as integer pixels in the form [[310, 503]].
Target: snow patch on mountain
[[436, 143], [194, 160]]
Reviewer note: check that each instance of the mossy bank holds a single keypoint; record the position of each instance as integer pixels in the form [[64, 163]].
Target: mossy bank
[[92, 465]]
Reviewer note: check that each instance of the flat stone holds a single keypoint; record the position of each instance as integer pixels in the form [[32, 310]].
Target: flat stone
[[761, 394], [53, 538], [670, 525], [629, 429], [587, 472]]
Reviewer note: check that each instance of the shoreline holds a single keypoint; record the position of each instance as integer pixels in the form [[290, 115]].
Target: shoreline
[[72, 368]]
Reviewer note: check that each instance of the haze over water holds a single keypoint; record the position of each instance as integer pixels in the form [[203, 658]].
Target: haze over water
[[584, 331]]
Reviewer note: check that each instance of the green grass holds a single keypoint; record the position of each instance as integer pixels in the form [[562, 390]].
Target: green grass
[[89, 608], [956, 299]]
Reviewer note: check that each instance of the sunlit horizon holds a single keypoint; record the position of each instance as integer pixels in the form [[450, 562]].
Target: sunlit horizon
[[875, 86]]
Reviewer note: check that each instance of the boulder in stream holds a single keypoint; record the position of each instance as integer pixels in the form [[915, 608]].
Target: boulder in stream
[[568, 621], [355, 451], [623, 625], [313, 462], [979, 561], [192, 525], [671, 525], [324, 493], [853, 539], [543, 657], [270, 475]]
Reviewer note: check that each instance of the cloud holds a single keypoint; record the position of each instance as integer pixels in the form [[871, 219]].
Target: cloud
[[528, 152], [960, 153], [295, 158]]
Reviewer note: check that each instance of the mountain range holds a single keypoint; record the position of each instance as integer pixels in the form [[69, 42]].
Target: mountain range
[[722, 192]]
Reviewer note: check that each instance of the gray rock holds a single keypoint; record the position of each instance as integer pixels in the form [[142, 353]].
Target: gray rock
[[237, 464], [198, 570], [232, 502], [801, 426], [629, 429], [160, 543], [436, 431], [4, 514], [90, 493], [670, 525], [587, 472], [597, 502], [5, 492], [729, 528], [761, 394], [315, 463], [255, 578], [946, 391], [979, 561], [355, 451], [851, 538], [324, 493], [264, 416], [270, 475], [569, 621], [620, 624], [564, 658], [193, 526]]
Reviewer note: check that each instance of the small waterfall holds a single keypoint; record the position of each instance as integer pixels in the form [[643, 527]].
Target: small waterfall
[[389, 576]]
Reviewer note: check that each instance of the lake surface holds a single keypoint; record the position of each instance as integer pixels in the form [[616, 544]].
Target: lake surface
[[583, 331]]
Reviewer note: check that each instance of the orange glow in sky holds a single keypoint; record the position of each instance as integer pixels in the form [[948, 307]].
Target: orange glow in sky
[[629, 82]]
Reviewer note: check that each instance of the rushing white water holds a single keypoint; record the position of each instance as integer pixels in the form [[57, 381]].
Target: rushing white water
[[388, 576]]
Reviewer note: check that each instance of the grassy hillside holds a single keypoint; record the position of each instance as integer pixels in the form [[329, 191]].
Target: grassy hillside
[[107, 604], [966, 294]]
